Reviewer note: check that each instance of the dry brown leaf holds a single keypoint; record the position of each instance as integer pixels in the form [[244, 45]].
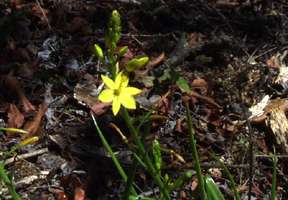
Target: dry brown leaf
[[99, 108], [273, 62], [205, 98], [179, 128], [33, 125], [79, 193], [12, 85], [183, 195], [201, 85], [27, 106], [155, 61], [15, 117], [59, 194], [162, 104], [39, 12]]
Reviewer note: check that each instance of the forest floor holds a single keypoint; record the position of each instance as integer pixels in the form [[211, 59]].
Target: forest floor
[[224, 56]]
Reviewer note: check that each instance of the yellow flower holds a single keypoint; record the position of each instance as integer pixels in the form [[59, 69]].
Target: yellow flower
[[118, 93]]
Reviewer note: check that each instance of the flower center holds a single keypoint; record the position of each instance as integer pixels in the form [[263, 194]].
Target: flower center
[[117, 92]]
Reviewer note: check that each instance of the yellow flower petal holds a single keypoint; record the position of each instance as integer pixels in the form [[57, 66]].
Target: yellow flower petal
[[127, 101], [116, 105], [125, 81], [118, 80], [131, 90], [108, 82], [106, 95]]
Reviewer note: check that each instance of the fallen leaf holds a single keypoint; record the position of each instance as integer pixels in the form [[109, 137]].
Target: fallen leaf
[[205, 98], [79, 193], [201, 85], [25, 103], [39, 12], [162, 104], [15, 117], [179, 128], [153, 62], [276, 61], [99, 108], [33, 125], [13, 86], [59, 194]]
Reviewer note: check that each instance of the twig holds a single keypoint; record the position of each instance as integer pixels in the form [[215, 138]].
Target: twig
[[270, 156], [146, 35], [26, 155], [182, 51], [217, 165], [44, 15]]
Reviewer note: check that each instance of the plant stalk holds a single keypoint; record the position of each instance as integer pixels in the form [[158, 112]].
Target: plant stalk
[[195, 155], [150, 167], [111, 153]]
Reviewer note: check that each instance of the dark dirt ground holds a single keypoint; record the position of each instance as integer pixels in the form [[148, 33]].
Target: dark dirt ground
[[225, 49]]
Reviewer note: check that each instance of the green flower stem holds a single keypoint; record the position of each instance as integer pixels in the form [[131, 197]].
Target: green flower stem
[[195, 154], [4, 177], [150, 167], [111, 153]]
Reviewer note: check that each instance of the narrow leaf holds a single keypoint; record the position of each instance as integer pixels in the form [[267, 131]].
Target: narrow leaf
[[136, 63], [212, 190], [123, 51]]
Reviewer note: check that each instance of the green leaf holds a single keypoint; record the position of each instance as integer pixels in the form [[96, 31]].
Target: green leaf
[[179, 182], [165, 76], [98, 51], [212, 190], [136, 63], [183, 85], [123, 51], [157, 155]]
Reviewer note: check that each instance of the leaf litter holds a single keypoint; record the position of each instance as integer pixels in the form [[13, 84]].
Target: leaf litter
[[220, 56]]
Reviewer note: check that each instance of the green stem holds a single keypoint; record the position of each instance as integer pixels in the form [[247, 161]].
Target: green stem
[[4, 177], [150, 167], [111, 153], [195, 154], [230, 177]]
